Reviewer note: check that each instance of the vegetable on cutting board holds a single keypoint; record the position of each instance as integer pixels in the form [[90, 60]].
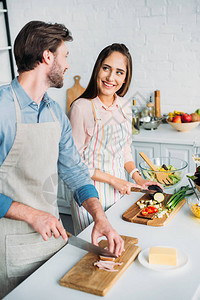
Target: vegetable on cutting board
[[178, 196], [155, 205], [157, 196]]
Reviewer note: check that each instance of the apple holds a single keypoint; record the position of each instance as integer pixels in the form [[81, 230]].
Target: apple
[[186, 118], [198, 111], [177, 119]]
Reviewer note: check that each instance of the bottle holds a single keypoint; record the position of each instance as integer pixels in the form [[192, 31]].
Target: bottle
[[150, 108], [135, 119], [157, 104]]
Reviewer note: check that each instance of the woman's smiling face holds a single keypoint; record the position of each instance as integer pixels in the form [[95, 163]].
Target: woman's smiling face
[[112, 74]]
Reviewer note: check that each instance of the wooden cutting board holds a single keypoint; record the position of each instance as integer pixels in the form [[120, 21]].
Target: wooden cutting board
[[133, 214], [74, 92], [86, 277]]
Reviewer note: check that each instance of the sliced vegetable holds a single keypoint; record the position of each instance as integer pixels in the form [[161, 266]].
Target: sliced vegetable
[[145, 212], [152, 209], [159, 197], [149, 210], [155, 187]]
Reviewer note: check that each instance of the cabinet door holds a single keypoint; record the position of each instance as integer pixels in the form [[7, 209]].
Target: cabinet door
[[151, 150], [180, 151]]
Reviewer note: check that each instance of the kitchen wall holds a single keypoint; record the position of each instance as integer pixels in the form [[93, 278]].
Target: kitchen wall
[[163, 37]]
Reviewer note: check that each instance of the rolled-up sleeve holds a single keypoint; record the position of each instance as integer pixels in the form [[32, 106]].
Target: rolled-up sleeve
[[5, 203], [71, 169]]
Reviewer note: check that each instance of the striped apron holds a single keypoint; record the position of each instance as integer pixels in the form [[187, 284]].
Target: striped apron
[[106, 153]]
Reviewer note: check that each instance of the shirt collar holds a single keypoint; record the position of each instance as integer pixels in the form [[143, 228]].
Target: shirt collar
[[23, 98], [114, 106]]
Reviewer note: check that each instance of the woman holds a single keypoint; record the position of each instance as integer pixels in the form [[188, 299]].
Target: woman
[[101, 128]]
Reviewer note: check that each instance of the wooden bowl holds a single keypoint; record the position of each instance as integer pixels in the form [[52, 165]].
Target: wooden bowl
[[184, 126]]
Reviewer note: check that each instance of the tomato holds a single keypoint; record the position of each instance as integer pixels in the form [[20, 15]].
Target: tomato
[[152, 209], [145, 212]]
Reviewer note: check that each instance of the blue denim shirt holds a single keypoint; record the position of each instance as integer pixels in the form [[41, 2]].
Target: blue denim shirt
[[70, 167]]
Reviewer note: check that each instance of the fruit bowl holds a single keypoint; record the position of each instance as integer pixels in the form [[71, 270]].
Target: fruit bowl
[[184, 126], [193, 202], [176, 169]]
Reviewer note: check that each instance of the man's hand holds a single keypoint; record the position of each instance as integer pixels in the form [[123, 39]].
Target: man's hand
[[47, 225], [42, 222], [102, 227]]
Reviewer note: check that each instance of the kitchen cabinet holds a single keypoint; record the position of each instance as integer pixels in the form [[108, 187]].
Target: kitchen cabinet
[[165, 141]]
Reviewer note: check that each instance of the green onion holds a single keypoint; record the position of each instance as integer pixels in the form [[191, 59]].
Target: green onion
[[178, 196]]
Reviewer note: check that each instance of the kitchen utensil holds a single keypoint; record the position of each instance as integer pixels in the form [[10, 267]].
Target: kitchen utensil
[[74, 92], [177, 170], [196, 159], [133, 213], [184, 126], [152, 124], [161, 176], [82, 244], [190, 181], [86, 277], [133, 189]]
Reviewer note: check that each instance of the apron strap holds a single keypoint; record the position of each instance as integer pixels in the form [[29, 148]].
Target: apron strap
[[96, 114], [18, 110], [123, 112], [52, 113]]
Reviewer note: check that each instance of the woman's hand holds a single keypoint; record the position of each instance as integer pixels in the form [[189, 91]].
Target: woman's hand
[[145, 183], [123, 186], [148, 183]]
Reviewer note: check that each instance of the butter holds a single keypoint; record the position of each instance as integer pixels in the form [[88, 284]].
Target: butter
[[163, 256]]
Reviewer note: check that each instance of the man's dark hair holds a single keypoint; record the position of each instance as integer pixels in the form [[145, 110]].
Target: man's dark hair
[[33, 39]]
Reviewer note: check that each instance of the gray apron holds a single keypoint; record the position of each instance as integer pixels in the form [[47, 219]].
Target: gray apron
[[28, 175]]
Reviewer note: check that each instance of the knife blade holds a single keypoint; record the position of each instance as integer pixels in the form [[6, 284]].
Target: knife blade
[[82, 244], [133, 189]]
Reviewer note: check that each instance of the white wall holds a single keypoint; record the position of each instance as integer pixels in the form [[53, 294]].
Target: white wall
[[163, 37]]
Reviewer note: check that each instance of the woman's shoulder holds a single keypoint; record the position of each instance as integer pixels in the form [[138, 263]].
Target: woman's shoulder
[[82, 106], [81, 102], [124, 103]]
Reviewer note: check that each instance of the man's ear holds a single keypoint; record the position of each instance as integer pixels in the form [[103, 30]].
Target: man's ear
[[47, 57]]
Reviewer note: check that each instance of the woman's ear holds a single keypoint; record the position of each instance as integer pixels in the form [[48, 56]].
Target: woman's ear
[[47, 57]]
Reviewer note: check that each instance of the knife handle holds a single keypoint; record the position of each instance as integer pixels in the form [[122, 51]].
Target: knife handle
[[68, 233], [134, 189]]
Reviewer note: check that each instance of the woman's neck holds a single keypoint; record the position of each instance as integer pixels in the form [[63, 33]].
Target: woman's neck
[[107, 100]]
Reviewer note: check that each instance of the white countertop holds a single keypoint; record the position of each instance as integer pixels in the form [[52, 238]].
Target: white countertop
[[137, 282], [168, 135]]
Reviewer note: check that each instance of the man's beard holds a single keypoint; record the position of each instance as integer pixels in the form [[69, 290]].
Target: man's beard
[[55, 76]]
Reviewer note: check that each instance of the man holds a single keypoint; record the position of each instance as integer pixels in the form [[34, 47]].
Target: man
[[35, 145]]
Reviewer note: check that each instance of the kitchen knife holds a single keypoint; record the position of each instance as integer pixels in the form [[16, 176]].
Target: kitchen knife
[[82, 244], [133, 189]]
